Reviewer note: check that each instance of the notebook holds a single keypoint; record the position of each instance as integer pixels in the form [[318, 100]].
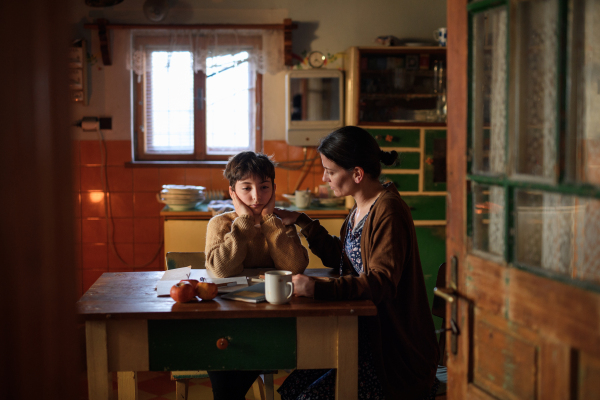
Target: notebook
[[250, 294]]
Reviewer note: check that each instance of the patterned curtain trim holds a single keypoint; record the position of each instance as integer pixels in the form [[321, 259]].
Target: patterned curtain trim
[[268, 59]]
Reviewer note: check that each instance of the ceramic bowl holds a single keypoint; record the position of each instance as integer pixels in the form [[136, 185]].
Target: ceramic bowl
[[182, 207]]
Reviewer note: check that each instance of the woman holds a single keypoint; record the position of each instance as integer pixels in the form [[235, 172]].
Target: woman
[[379, 260]]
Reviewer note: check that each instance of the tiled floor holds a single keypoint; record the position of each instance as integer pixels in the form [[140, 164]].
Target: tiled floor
[[159, 386]]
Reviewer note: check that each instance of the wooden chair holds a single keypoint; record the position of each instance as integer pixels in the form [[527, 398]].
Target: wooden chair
[[263, 386], [439, 310], [177, 259]]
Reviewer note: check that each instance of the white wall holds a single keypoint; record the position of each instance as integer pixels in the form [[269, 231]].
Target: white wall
[[330, 26]]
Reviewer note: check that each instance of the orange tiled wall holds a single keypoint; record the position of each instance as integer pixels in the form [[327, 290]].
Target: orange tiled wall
[[135, 210]]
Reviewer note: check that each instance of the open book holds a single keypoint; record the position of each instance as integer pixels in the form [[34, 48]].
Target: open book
[[251, 294]]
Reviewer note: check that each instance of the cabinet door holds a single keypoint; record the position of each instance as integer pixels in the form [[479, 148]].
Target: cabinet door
[[397, 86], [185, 235]]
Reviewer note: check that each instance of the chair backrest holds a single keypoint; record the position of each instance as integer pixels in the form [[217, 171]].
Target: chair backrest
[[439, 310], [177, 259]]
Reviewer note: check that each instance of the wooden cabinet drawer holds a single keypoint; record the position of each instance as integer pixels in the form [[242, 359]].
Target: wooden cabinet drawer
[[190, 344]]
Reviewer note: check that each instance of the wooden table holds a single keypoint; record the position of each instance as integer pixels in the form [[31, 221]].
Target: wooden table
[[130, 329]]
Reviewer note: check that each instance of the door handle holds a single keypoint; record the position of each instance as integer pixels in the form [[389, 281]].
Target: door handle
[[444, 293], [450, 295]]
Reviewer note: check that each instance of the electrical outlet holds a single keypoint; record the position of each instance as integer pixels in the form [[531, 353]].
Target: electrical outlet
[[105, 123]]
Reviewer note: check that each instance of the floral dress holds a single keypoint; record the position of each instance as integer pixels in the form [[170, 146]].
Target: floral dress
[[319, 384]]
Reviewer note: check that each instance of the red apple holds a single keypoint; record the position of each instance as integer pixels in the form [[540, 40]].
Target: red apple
[[206, 290], [183, 292], [193, 282]]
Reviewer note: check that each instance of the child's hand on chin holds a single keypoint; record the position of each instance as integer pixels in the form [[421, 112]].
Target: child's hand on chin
[[270, 206], [240, 207]]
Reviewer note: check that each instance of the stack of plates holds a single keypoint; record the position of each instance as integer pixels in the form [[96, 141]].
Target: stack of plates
[[181, 197]]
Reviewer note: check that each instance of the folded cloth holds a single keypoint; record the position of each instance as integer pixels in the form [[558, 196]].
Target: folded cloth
[[217, 207]]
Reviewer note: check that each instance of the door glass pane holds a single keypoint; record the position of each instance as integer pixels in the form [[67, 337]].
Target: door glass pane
[[558, 233], [535, 86], [488, 219], [584, 96], [489, 91]]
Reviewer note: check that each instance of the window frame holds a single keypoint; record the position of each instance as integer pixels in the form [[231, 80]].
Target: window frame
[[566, 136], [199, 155]]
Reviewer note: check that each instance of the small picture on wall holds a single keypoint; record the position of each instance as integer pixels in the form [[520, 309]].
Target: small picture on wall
[[412, 61]]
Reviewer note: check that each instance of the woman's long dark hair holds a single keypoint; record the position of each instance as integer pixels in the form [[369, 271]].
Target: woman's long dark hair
[[351, 146]]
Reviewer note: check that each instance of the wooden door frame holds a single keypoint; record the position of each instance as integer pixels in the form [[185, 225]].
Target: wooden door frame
[[560, 320], [457, 56], [41, 355]]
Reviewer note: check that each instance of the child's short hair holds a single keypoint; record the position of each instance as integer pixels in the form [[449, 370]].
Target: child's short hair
[[249, 163]]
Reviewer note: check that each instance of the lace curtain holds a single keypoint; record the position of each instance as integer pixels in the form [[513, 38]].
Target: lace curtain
[[265, 47]]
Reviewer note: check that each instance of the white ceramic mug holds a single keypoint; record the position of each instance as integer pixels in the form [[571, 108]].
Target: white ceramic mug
[[302, 198], [278, 286], [440, 36]]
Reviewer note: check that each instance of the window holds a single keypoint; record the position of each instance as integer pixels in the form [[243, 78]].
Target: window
[[197, 97], [534, 138]]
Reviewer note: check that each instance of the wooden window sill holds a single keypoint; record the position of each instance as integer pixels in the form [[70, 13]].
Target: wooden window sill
[[176, 164]]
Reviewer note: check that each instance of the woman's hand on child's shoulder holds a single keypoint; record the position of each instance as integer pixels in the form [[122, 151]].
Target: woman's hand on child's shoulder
[[287, 217]]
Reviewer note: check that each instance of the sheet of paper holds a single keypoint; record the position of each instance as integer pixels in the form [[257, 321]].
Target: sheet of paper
[[245, 272], [163, 288], [177, 274]]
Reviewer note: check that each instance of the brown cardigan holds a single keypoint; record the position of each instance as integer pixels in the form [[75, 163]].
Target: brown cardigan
[[402, 334]]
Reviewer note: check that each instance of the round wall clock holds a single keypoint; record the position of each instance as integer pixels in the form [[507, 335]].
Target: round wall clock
[[316, 59]]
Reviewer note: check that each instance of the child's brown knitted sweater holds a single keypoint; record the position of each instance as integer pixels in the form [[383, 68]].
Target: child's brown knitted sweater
[[234, 243]]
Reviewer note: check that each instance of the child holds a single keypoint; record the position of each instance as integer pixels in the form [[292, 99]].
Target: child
[[252, 236]]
